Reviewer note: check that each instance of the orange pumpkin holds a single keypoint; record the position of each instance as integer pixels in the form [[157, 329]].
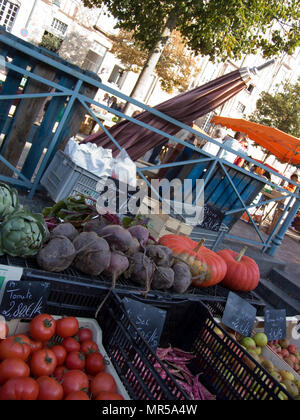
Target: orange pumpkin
[[243, 273], [207, 268]]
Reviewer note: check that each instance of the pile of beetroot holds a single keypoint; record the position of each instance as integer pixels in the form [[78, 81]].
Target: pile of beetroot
[[101, 247]]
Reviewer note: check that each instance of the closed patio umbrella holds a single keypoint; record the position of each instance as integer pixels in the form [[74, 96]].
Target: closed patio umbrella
[[186, 108]]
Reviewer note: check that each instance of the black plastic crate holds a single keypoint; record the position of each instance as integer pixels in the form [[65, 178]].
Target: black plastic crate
[[214, 297], [222, 362]]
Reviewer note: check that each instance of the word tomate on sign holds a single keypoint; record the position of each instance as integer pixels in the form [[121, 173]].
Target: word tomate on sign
[[23, 299]]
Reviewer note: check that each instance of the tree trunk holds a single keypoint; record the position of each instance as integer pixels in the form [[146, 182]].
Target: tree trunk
[[138, 91]]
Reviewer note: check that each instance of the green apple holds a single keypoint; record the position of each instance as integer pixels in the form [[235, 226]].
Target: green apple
[[249, 343], [260, 339]]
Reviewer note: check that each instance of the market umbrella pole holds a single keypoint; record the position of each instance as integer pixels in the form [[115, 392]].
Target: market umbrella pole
[[186, 108]]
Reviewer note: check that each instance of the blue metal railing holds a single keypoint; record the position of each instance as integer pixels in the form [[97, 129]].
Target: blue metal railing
[[68, 84]]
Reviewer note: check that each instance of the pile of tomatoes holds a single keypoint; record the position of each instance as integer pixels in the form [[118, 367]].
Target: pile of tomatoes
[[56, 360]]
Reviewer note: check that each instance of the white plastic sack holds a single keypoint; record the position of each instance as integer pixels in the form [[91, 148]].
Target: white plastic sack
[[124, 169], [88, 156]]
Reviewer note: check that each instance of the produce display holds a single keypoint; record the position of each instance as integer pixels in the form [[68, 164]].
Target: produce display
[[287, 352], [243, 273], [177, 361], [55, 360], [255, 345]]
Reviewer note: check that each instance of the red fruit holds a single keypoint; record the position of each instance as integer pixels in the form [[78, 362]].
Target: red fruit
[[94, 363], [88, 347], [59, 373], [74, 381], [84, 334], [75, 360], [19, 389], [71, 344], [60, 353], [13, 368], [67, 327], [108, 396], [103, 382], [285, 353], [77, 396], [293, 349], [49, 389]]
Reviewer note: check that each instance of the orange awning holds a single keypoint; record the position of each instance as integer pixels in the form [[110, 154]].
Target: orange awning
[[282, 145]]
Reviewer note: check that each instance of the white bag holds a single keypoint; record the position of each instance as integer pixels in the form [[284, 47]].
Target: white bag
[[89, 156], [124, 169]]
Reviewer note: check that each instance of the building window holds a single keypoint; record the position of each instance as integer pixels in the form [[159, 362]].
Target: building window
[[8, 13], [241, 107], [250, 89], [59, 26], [117, 76], [92, 61]]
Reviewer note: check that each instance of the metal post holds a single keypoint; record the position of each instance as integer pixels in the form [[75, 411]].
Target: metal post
[[277, 241]]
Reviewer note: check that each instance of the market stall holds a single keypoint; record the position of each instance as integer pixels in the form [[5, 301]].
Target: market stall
[[137, 330]]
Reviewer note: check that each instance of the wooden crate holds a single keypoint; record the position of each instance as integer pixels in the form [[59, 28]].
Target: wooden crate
[[162, 224]]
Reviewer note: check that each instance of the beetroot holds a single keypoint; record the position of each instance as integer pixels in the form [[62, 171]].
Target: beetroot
[[140, 233], [118, 265], [65, 229], [163, 278], [135, 247], [93, 253], [95, 225], [161, 255], [57, 255], [118, 238], [182, 278], [141, 270]]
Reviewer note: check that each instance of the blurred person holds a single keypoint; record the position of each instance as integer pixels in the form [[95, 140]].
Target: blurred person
[[212, 148], [239, 144]]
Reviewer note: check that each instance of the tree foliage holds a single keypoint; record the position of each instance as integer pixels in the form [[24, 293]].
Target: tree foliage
[[174, 69], [220, 29], [280, 110]]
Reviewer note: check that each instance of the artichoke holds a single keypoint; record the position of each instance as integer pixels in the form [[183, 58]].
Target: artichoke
[[22, 234], [9, 200]]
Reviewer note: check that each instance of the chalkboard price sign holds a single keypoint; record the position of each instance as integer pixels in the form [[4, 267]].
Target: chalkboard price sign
[[239, 315], [23, 299], [275, 324], [213, 218], [148, 320]]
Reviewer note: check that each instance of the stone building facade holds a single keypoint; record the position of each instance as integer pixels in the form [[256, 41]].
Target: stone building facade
[[83, 37]]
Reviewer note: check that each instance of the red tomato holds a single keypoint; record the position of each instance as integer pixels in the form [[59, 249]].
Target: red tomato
[[84, 334], [60, 353], [4, 331], [109, 396], [89, 346], [75, 360], [74, 381], [17, 347], [94, 363], [36, 345], [20, 389], [13, 368], [77, 396], [67, 327], [42, 327], [59, 373], [43, 363], [71, 344], [103, 382], [49, 389]]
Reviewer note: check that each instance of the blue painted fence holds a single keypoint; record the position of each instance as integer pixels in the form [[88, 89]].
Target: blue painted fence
[[34, 74]]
